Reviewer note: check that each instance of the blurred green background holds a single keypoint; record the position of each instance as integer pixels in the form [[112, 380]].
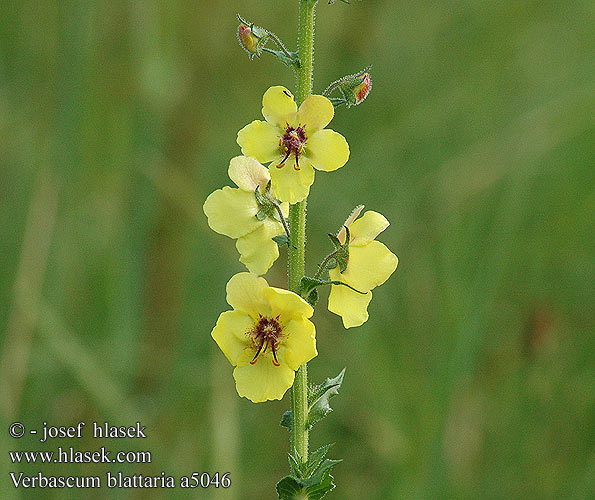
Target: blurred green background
[[473, 378]]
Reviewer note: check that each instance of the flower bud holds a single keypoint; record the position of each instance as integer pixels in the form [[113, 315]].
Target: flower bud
[[251, 38], [361, 90], [353, 88]]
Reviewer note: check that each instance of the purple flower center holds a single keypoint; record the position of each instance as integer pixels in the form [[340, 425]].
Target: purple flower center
[[266, 334], [292, 142]]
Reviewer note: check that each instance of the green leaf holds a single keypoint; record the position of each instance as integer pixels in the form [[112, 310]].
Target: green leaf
[[319, 396], [286, 419], [316, 458], [290, 489], [315, 486], [281, 239]]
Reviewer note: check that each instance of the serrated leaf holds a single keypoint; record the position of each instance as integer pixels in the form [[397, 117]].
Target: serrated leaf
[[321, 472], [291, 489], [281, 239], [294, 464], [316, 458], [318, 399]]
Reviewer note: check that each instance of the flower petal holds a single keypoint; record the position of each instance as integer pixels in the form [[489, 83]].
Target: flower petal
[[262, 381], [248, 174], [316, 112], [299, 346], [328, 150], [260, 140], [350, 305], [287, 304], [257, 250], [231, 212], [230, 334], [289, 184], [244, 293], [369, 266], [366, 228], [278, 106]]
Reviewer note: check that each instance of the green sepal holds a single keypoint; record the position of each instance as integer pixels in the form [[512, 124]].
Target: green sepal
[[308, 287], [312, 298], [265, 204], [281, 239], [331, 2], [319, 396], [341, 254]]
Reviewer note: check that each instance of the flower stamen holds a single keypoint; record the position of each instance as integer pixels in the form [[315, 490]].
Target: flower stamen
[[267, 333], [292, 142]]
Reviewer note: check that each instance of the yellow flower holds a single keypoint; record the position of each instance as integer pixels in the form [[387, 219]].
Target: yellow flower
[[267, 336], [233, 212], [370, 264], [294, 141]]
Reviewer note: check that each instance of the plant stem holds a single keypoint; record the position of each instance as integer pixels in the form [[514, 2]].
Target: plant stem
[[297, 225]]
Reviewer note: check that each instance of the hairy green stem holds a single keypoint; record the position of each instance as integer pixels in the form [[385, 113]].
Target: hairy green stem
[[297, 226]]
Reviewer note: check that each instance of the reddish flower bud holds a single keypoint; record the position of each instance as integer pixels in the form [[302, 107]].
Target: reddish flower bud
[[361, 90], [247, 39], [252, 38]]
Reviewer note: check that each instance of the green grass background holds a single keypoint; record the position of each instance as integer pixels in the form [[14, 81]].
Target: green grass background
[[473, 378]]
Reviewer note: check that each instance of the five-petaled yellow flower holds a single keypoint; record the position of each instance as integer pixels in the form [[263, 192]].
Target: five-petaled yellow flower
[[232, 212], [370, 264], [294, 141], [267, 336]]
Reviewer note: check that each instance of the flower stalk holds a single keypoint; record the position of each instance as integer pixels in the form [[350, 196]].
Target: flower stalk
[[297, 225]]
